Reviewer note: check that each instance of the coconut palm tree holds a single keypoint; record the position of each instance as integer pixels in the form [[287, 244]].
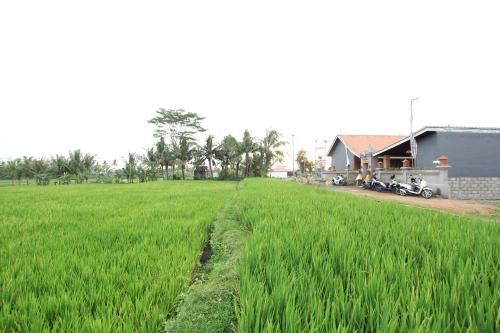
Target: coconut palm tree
[[59, 165], [75, 164], [88, 163], [27, 167], [247, 146], [14, 170], [227, 153], [161, 155], [270, 148], [209, 150], [130, 168], [185, 152], [151, 161]]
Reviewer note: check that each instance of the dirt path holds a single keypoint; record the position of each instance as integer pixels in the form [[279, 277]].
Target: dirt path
[[458, 206]]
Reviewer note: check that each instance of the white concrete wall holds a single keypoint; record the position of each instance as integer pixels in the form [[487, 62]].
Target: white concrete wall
[[274, 174]]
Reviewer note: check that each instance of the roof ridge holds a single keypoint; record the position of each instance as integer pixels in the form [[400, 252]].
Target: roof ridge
[[373, 134]]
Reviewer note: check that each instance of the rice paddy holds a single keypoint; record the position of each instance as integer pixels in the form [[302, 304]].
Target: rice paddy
[[319, 261], [117, 258], [100, 258]]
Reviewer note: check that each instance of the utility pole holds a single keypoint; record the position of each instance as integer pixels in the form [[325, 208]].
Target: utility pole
[[315, 150], [293, 155], [324, 154], [413, 142]]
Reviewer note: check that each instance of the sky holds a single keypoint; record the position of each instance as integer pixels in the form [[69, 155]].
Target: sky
[[90, 74]]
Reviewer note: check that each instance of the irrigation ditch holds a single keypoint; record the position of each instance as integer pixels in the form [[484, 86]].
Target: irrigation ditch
[[209, 303]]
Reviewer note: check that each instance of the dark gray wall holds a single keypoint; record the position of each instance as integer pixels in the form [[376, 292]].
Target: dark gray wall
[[427, 148], [338, 156], [470, 154]]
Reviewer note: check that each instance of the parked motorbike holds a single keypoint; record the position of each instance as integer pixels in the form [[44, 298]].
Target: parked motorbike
[[379, 185], [369, 185], [417, 186], [339, 180], [394, 185]]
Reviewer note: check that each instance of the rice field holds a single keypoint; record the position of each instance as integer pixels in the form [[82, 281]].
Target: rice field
[[117, 258], [100, 258], [321, 261]]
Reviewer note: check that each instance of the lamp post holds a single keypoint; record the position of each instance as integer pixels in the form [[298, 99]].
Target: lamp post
[[413, 143], [293, 155]]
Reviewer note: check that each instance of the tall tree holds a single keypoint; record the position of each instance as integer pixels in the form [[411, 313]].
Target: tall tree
[[185, 152], [162, 155], [88, 163], [257, 164], [58, 165], [75, 164], [27, 167], [151, 161], [302, 160], [238, 158], [270, 148], [209, 150], [176, 124], [227, 152], [14, 170], [248, 146], [130, 168]]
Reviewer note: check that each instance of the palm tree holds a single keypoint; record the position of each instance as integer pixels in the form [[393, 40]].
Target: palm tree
[[130, 168], [270, 144], [151, 161], [59, 165], [185, 152], [75, 164], [161, 155], [14, 170], [172, 156], [88, 162], [209, 150], [248, 146], [227, 153], [41, 168], [27, 168]]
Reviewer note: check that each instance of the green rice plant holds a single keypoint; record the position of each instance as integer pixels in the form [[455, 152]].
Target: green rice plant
[[100, 258], [321, 261]]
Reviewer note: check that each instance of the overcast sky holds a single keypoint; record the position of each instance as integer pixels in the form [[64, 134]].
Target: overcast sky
[[89, 74]]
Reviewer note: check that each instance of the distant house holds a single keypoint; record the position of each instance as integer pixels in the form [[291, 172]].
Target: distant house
[[472, 151], [352, 150], [279, 171]]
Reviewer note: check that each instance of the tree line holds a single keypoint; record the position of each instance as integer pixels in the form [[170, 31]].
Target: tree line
[[175, 151]]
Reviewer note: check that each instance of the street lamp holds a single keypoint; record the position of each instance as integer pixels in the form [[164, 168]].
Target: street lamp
[[293, 155]]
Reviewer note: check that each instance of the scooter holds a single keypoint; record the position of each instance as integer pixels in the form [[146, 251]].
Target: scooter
[[339, 180], [394, 186], [369, 185], [379, 185], [417, 186]]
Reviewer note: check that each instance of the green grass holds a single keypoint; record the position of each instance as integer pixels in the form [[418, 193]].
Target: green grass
[[208, 306], [320, 261], [97, 258]]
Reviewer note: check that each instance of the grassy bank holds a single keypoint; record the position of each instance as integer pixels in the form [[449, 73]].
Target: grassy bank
[[208, 306]]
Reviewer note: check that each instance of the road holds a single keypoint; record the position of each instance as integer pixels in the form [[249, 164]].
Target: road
[[483, 208]]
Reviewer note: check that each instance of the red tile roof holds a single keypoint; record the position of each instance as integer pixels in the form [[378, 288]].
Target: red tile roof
[[359, 143], [280, 168]]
